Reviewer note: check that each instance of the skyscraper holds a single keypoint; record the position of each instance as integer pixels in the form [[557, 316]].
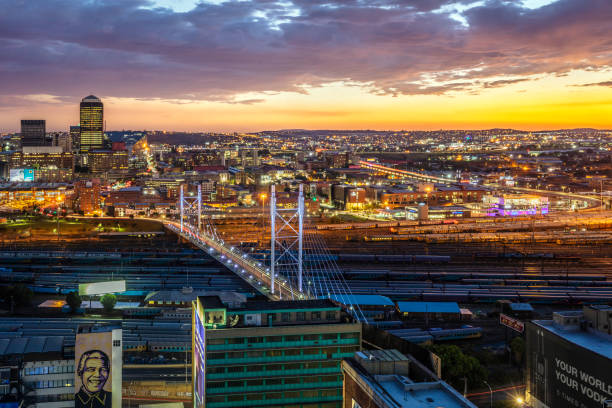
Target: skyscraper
[[32, 133], [92, 119]]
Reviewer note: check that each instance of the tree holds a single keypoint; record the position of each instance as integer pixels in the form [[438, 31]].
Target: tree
[[517, 345], [73, 300], [456, 365], [108, 301]]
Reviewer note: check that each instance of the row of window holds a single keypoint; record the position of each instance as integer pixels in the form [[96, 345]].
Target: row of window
[[334, 392], [329, 351], [50, 384], [275, 381], [57, 369], [273, 367], [279, 339]]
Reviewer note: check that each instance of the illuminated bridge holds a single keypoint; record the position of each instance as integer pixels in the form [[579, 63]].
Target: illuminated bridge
[[403, 173], [286, 277]]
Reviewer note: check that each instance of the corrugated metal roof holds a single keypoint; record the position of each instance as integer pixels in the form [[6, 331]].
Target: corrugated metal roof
[[35, 345], [17, 346], [428, 307], [366, 300], [4, 343], [521, 307]]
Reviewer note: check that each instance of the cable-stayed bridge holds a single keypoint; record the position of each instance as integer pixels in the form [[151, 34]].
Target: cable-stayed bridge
[[286, 276]]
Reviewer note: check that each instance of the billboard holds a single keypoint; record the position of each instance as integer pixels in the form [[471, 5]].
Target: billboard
[[563, 374], [101, 288], [97, 369], [199, 355], [20, 175], [511, 322]]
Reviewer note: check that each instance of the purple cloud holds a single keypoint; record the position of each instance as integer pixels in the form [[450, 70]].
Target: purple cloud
[[127, 48]]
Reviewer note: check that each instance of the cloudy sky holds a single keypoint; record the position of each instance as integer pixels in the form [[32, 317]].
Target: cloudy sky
[[247, 65]]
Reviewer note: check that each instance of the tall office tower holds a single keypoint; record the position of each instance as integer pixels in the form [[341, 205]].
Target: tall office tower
[[92, 121], [75, 136], [32, 133], [270, 354]]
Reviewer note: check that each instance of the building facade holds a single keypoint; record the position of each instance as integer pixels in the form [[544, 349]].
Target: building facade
[[33, 132], [91, 134], [270, 354], [569, 359]]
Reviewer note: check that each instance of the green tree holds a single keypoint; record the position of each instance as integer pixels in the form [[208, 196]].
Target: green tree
[[517, 345], [73, 300], [456, 365], [108, 301]]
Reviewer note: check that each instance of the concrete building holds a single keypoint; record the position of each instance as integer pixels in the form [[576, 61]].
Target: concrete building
[[102, 161], [264, 354], [33, 132], [390, 379], [569, 359], [45, 370]]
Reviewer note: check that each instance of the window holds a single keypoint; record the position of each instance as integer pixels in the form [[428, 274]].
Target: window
[[274, 339], [217, 356], [274, 353], [234, 398], [292, 352], [252, 368], [254, 383], [311, 337], [315, 315], [254, 397], [329, 336], [216, 341], [330, 315], [274, 381], [300, 316], [349, 335], [216, 384], [292, 380], [234, 383], [116, 343], [235, 340], [252, 340], [285, 317], [233, 354], [293, 338], [235, 369], [254, 354]]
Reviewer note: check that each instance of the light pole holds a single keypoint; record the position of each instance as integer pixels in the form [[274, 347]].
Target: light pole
[[490, 392]]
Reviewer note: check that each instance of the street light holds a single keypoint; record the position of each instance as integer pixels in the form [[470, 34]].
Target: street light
[[490, 392]]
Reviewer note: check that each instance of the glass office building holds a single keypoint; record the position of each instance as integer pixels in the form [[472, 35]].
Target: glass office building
[[92, 124], [271, 354], [32, 133]]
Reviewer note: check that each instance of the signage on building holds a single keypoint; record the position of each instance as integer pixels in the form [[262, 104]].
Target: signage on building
[[21, 175], [199, 356], [511, 322], [97, 369], [563, 374]]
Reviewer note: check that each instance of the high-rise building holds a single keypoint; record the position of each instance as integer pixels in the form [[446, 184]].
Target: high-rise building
[[32, 132], [264, 354], [92, 124], [75, 135]]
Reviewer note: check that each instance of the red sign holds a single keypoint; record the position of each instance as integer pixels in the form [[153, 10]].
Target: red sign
[[511, 323]]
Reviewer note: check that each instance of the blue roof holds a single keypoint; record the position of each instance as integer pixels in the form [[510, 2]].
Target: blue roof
[[428, 307], [521, 307], [366, 300]]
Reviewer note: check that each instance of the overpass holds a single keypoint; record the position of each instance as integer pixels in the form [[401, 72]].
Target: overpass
[[404, 173]]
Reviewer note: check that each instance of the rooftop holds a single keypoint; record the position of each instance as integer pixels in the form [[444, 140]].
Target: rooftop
[[428, 307], [591, 340]]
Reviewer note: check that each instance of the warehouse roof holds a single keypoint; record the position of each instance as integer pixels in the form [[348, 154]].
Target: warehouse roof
[[362, 300], [428, 307]]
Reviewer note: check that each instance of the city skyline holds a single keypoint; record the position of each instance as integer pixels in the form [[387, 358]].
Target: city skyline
[[251, 66]]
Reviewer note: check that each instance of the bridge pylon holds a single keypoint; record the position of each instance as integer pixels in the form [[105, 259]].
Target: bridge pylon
[[287, 240]]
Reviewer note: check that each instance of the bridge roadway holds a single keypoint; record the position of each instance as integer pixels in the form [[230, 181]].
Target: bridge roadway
[[252, 271], [420, 176]]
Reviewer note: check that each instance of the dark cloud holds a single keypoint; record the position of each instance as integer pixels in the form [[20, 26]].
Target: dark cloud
[[604, 83], [128, 48]]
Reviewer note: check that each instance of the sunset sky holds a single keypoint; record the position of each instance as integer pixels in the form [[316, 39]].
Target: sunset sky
[[340, 64]]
